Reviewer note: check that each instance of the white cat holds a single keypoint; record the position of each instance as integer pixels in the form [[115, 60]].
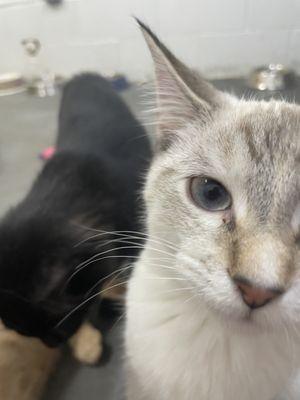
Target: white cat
[[213, 306]]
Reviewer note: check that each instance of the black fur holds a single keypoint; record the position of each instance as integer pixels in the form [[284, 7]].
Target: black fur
[[93, 180]]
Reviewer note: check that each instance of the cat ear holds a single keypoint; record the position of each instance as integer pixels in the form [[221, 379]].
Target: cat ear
[[182, 95]]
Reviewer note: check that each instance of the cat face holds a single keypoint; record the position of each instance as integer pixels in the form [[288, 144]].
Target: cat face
[[37, 257], [224, 190]]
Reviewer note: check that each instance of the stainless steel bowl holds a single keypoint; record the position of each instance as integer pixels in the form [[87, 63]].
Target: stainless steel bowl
[[11, 83], [272, 77]]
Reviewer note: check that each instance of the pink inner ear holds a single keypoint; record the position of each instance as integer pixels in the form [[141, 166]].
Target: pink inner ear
[[47, 153]]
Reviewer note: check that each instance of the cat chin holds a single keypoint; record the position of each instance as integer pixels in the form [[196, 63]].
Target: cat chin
[[269, 319], [244, 321], [248, 324], [238, 317]]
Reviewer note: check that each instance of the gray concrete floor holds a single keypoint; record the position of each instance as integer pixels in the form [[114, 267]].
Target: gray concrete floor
[[28, 125]]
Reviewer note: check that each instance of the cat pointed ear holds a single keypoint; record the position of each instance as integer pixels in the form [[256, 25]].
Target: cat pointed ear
[[182, 95]]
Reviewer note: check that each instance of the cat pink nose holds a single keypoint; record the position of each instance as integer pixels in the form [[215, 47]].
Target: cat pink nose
[[255, 296]]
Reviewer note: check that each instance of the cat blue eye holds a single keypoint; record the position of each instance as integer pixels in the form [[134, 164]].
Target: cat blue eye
[[209, 194]]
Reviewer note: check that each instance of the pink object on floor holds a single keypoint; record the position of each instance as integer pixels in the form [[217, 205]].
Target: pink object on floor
[[47, 153]]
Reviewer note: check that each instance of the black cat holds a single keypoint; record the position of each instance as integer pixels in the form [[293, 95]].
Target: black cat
[[93, 181]]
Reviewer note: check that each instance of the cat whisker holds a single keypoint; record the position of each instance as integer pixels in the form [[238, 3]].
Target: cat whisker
[[123, 315], [116, 257], [87, 262], [86, 301], [155, 278], [118, 285], [179, 289], [144, 239], [163, 278], [134, 246], [101, 232], [117, 273], [130, 235], [122, 269], [191, 298], [170, 291], [15, 294], [114, 275]]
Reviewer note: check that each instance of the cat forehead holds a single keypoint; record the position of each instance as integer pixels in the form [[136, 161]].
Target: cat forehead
[[262, 122], [261, 132], [252, 148], [275, 122]]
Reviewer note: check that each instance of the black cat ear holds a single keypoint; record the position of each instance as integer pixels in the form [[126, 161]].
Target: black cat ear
[[182, 95]]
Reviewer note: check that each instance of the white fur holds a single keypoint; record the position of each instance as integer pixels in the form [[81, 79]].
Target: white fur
[[179, 349], [189, 334]]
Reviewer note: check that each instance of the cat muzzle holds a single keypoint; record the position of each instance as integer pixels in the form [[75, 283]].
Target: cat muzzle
[[255, 296]]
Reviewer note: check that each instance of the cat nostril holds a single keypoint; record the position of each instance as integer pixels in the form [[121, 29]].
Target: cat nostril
[[255, 296]]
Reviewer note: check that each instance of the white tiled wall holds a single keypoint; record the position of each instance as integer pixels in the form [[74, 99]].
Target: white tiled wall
[[220, 37]]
